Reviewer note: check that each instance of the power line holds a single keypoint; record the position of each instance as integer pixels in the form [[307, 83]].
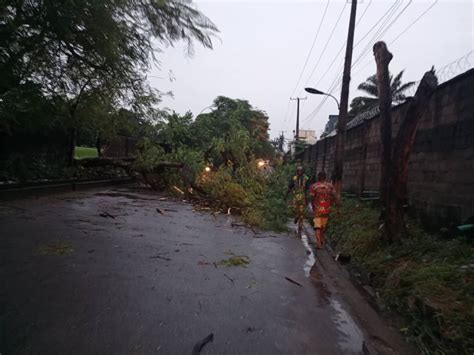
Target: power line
[[396, 18], [342, 47], [380, 31], [381, 28], [402, 33], [416, 20], [385, 31], [390, 13], [312, 47], [327, 43], [375, 25], [286, 113], [307, 59]]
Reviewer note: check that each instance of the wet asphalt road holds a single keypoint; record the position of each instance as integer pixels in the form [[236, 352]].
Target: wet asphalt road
[[135, 281]]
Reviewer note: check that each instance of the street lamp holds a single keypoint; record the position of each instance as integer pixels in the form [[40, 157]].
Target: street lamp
[[317, 92]]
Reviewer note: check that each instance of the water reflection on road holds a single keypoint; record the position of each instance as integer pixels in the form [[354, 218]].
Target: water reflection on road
[[350, 338]]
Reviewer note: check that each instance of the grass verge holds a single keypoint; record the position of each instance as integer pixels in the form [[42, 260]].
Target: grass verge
[[427, 280], [85, 152]]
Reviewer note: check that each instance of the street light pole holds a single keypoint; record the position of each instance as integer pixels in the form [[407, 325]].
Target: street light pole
[[343, 113], [317, 92]]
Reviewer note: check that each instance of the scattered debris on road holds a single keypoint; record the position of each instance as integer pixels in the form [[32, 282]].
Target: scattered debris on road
[[236, 260], [55, 248], [106, 215], [160, 257], [200, 344], [293, 281], [178, 189], [229, 278], [264, 236]]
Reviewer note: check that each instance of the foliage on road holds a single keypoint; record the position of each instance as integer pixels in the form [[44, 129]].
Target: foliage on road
[[427, 279], [56, 248], [235, 260], [220, 151]]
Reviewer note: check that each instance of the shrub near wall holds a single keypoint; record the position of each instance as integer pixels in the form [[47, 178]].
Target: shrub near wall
[[427, 280]]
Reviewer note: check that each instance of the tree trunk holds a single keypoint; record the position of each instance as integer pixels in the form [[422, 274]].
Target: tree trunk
[[72, 146], [98, 145], [401, 154], [394, 173], [382, 59]]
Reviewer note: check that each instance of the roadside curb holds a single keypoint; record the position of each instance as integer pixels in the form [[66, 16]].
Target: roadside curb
[[368, 292], [22, 190]]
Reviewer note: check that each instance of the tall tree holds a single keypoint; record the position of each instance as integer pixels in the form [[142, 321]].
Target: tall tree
[[75, 49], [370, 87], [230, 121]]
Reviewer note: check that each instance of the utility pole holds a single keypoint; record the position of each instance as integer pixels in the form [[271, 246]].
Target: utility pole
[[344, 103], [297, 115]]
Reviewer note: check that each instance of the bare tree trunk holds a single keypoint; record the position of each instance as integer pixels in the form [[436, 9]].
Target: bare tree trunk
[[72, 146], [401, 155], [98, 145], [394, 173], [382, 59]]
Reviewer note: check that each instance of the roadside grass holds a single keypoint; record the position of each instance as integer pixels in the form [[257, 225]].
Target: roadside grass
[[427, 280], [85, 152]]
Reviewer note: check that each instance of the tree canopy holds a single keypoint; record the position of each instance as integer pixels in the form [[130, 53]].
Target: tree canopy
[[66, 51], [370, 87]]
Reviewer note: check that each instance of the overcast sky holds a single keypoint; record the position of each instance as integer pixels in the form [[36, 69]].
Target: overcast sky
[[263, 46]]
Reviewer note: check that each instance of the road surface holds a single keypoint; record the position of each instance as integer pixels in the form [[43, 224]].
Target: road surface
[[104, 272]]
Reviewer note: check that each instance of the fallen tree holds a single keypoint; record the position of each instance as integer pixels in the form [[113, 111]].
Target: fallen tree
[[147, 175]]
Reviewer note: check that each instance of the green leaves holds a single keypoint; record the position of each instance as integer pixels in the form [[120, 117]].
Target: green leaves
[[363, 103]]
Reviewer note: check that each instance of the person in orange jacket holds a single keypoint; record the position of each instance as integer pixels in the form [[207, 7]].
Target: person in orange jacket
[[323, 198]]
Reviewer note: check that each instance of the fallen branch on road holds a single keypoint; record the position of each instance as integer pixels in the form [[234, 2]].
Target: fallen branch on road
[[200, 344], [293, 281], [160, 257]]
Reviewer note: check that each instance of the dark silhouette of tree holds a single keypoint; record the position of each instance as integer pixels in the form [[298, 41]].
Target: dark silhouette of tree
[[363, 103]]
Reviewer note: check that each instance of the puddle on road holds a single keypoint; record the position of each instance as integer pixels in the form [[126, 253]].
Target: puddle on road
[[310, 253], [351, 338]]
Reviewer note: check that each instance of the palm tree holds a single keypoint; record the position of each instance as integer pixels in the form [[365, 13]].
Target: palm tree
[[363, 103]]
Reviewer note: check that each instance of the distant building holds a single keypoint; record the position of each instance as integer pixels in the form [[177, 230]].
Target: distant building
[[307, 135]]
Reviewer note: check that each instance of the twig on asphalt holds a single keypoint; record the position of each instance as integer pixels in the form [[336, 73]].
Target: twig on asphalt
[[230, 278], [200, 344], [235, 224], [293, 281], [106, 214], [160, 257]]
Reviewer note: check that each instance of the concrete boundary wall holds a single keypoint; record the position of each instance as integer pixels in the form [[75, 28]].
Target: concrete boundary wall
[[441, 172]]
